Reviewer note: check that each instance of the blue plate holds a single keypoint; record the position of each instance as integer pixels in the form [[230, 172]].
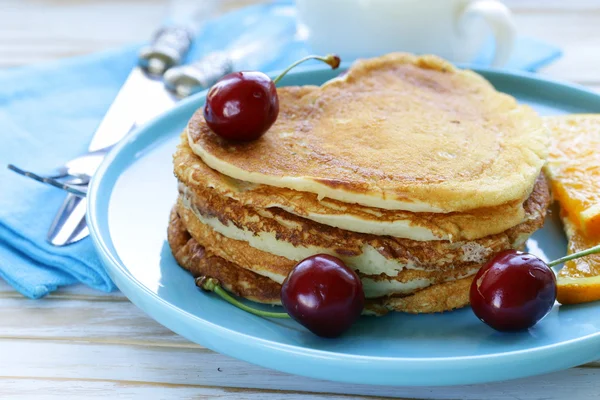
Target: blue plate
[[129, 203]]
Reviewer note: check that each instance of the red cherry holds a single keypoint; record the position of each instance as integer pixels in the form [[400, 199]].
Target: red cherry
[[242, 106], [513, 291], [324, 295]]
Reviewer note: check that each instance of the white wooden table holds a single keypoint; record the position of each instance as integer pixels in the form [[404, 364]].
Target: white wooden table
[[81, 343]]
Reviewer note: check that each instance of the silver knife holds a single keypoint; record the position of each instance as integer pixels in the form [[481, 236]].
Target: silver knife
[[142, 97]]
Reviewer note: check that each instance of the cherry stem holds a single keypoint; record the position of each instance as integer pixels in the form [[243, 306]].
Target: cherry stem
[[213, 285], [331, 59], [587, 252]]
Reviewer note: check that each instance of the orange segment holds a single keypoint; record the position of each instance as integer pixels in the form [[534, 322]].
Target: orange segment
[[579, 280], [574, 168]]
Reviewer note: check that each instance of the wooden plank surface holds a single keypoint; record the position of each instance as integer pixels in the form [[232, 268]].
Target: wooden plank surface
[[82, 343], [51, 360]]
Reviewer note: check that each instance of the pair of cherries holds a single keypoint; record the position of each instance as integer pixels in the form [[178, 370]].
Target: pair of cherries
[[511, 292]]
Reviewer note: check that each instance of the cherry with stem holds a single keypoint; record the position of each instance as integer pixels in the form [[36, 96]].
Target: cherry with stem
[[514, 290], [242, 106], [321, 293]]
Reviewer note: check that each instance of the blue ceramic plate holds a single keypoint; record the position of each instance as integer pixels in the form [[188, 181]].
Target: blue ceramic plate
[[130, 200]]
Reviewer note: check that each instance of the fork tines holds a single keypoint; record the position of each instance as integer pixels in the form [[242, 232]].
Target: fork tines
[[78, 190]]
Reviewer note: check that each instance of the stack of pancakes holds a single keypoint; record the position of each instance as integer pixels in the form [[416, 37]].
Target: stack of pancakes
[[412, 172]]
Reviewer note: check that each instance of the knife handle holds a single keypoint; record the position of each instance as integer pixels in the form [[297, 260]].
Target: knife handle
[[200, 75], [168, 48]]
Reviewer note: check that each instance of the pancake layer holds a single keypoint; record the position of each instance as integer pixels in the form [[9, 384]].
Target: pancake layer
[[397, 132], [474, 224]]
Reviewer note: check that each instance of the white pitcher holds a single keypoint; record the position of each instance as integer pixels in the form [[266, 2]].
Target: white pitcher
[[453, 29]]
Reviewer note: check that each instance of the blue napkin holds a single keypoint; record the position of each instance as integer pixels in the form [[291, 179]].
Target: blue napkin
[[49, 112]]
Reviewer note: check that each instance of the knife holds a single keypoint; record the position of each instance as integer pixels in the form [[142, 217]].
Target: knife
[[141, 98]]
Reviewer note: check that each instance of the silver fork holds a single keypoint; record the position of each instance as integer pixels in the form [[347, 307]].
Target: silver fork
[[67, 185], [73, 176]]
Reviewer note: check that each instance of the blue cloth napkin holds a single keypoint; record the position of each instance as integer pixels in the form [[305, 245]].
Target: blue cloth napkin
[[50, 111]]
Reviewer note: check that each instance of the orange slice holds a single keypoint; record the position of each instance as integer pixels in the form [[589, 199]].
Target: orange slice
[[574, 170], [579, 280]]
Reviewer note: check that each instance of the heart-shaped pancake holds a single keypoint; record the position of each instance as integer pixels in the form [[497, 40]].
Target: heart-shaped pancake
[[398, 132]]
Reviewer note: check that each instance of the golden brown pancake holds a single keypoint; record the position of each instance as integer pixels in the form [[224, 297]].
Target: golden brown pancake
[[286, 235], [242, 282], [409, 170], [475, 224], [397, 132]]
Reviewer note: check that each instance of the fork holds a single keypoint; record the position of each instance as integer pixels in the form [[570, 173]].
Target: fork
[[73, 176], [71, 186]]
